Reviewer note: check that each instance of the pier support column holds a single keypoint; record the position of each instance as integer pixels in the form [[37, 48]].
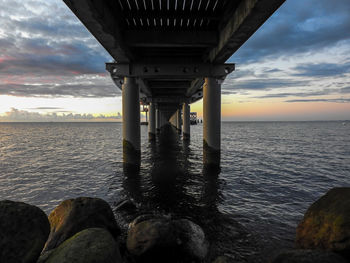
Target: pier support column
[[131, 122], [152, 122], [211, 121], [178, 120], [186, 121]]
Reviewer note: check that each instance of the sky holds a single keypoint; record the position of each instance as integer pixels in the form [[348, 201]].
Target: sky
[[295, 67]]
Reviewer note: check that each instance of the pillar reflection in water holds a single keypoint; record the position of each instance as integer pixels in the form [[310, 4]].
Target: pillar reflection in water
[[172, 180], [168, 180]]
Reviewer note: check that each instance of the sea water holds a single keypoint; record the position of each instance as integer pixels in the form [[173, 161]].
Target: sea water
[[270, 174]]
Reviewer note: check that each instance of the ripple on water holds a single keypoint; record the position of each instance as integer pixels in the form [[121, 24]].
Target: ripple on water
[[270, 174]]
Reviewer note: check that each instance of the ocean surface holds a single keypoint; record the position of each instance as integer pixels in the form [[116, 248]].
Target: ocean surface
[[270, 173]]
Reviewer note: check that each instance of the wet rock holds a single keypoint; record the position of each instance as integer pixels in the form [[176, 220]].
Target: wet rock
[[166, 240], [146, 235], [125, 211], [146, 217], [307, 256], [23, 231], [88, 246], [326, 224], [126, 206], [193, 237], [222, 259], [74, 215]]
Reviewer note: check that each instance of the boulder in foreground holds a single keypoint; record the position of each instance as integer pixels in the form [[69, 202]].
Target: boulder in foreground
[[326, 224], [166, 240], [74, 215], [93, 245], [23, 231]]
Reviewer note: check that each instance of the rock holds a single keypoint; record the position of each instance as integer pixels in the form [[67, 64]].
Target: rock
[[193, 236], [163, 239], [307, 256], [88, 246], [74, 215], [146, 217], [23, 231], [127, 206], [326, 224], [148, 234], [222, 259]]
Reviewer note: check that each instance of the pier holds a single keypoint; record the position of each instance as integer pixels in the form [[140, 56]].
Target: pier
[[169, 54]]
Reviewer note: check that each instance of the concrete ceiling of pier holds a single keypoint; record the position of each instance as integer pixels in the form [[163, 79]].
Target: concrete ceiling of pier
[[172, 31]]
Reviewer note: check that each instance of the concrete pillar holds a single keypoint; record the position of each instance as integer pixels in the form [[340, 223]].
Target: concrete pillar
[[178, 120], [152, 122], [186, 121], [131, 122], [211, 121]]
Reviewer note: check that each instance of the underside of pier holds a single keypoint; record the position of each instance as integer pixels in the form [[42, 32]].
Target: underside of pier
[[171, 53]]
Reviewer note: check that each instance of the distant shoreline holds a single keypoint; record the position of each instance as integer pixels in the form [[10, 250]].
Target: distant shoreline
[[248, 121]]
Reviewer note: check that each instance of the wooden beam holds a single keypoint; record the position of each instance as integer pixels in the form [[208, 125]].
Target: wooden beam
[[245, 20]]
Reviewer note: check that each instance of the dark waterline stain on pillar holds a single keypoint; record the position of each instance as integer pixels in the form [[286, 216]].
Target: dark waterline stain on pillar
[[151, 136], [131, 156], [211, 156]]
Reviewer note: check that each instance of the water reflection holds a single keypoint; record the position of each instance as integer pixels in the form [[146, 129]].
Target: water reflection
[[132, 182], [211, 194], [170, 182]]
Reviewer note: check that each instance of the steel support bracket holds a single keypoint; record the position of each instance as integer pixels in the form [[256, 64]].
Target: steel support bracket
[[190, 71]]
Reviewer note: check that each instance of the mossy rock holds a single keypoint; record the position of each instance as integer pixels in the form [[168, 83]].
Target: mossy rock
[[23, 231], [93, 245], [326, 224], [74, 215]]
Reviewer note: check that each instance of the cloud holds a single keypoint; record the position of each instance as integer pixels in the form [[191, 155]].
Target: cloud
[[44, 40], [98, 87], [345, 90], [339, 100], [231, 86], [55, 59], [297, 94], [47, 52], [322, 70], [22, 115], [45, 108], [298, 27]]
